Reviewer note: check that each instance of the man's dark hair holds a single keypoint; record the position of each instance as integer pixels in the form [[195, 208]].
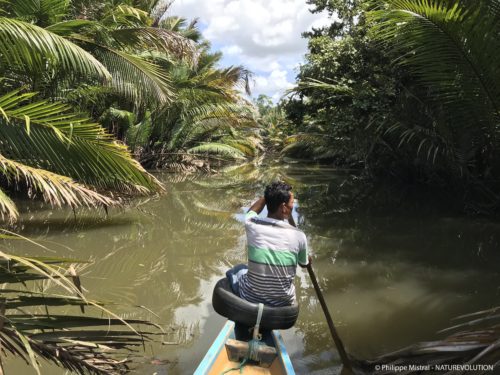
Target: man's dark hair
[[275, 194]]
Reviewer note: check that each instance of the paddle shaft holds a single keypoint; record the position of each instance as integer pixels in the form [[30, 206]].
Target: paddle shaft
[[333, 331]]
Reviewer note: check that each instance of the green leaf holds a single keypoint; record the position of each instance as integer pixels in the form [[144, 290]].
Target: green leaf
[[27, 122], [33, 50], [30, 351], [68, 28]]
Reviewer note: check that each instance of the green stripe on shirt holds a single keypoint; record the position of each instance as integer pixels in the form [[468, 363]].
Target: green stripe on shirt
[[272, 257], [303, 258]]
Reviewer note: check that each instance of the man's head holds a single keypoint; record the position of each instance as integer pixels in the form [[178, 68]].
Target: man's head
[[279, 199]]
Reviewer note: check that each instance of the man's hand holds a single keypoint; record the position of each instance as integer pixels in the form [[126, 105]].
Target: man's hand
[[308, 263], [258, 206]]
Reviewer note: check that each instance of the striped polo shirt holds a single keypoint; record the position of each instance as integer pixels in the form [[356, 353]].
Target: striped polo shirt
[[274, 249]]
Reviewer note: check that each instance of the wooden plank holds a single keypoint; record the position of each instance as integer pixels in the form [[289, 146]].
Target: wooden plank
[[237, 350]]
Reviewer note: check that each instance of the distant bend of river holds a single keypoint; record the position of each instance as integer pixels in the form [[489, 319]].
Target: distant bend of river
[[389, 279]]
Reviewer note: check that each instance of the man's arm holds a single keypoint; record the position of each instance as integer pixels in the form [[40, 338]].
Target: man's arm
[[258, 206], [304, 253], [309, 258]]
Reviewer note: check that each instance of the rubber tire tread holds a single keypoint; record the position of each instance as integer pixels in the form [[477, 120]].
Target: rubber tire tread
[[231, 306]]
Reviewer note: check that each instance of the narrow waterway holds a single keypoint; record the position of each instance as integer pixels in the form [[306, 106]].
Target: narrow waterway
[[389, 279]]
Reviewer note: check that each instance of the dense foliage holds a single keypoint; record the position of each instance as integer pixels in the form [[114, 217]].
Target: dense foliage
[[406, 90], [48, 54], [76, 76], [273, 124], [208, 117]]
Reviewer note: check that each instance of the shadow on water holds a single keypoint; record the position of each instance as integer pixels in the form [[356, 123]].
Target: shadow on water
[[39, 218], [390, 277], [40, 226]]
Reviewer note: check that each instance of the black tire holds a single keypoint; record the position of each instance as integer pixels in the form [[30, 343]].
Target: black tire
[[229, 305]]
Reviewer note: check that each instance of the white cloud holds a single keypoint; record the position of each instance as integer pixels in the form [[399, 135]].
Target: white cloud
[[322, 20], [263, 35], [231, 50], [272, 84]]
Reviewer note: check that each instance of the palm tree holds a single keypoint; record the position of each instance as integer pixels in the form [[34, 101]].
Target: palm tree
[[209, 115], [180, 26], [45, 146], [52, 49]]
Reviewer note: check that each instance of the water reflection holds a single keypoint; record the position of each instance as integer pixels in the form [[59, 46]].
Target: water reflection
[[389, 279]]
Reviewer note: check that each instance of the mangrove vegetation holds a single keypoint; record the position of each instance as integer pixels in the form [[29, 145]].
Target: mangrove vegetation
[[406, 91]]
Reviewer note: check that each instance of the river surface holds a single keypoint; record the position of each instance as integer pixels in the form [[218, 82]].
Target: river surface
[[389, 279]]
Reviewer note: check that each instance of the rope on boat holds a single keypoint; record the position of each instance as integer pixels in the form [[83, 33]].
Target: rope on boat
[[239, 367], [253, 344]]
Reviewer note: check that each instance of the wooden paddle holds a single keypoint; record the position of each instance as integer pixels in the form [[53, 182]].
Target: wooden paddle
[[333, 331]]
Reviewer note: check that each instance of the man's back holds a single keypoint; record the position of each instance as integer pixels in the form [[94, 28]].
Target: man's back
[[274, 250]]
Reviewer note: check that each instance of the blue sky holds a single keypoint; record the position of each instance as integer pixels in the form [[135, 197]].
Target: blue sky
[[262, 35]]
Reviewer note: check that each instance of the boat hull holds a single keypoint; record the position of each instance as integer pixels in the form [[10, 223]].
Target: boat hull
[[216, 361]]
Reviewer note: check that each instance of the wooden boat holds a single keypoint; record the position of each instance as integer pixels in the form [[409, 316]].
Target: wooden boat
[[220, 356]]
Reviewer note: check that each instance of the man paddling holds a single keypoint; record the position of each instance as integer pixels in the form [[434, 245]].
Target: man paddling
[[275, 248]]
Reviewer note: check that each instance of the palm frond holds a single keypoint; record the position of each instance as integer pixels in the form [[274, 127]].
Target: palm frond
[[246, 146], [124, 16], [70, 27], [223, 82], [148, 38], [479, 344], [310, 145], [41, 12], [55, 189], [337, 89], [83, 344], [428, 143], [193, 115], [218, 149], [29, 49], [179, 24], [200, 130], [232, 112], [158, 10], [138, 134], [237, 76], [137, 79], [308, 138], [50, 136], [8, 208], [449, 47]]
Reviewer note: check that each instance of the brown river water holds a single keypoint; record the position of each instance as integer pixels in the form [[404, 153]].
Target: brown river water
[[389, 279]]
